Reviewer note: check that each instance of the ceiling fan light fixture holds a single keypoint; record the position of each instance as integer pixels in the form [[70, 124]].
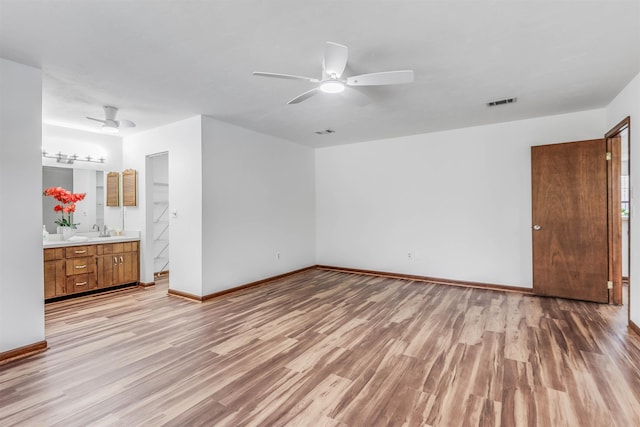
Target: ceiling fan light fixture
[[332, 86], [109, 128], [334, 63]]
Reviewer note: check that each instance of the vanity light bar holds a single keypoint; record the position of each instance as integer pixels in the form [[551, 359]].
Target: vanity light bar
[[70, 159]]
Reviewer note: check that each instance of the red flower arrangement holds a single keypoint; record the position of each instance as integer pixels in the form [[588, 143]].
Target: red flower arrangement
[[67, 204]]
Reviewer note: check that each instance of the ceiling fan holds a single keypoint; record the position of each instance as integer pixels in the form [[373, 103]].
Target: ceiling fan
[[333, 65], [110, 124]]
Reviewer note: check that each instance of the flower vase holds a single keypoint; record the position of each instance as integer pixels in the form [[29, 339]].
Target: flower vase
[[67, 232]]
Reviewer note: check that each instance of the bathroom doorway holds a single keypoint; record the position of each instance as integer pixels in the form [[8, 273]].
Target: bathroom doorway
[[618, 148], [159, 174]]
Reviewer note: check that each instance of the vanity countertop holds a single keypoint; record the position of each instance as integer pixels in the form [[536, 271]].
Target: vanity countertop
[[55, 242]]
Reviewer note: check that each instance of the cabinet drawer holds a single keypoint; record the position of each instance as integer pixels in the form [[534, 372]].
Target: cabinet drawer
[[81, 266], [80, 251], [81, 283]]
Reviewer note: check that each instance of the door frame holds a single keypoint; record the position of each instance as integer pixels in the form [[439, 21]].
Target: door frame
[[616, 246]]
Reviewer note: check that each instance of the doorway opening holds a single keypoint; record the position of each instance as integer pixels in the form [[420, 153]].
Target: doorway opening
[[158, 173], [618, 144], [625, 205]]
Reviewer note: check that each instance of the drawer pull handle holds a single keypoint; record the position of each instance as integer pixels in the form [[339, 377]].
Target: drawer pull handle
[[84, 251], [81, 283], [81, 266], [121, 259], [115, 260]]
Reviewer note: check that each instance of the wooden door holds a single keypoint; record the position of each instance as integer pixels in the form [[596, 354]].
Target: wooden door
[[569, 203]]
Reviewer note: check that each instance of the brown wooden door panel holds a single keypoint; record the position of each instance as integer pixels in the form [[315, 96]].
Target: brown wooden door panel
[[130, 267], [49, 279], [54, 278], [569, 204], [105, 266]]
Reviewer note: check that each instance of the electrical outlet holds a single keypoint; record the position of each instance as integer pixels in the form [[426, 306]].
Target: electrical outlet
[[277, 255], [410, 256]]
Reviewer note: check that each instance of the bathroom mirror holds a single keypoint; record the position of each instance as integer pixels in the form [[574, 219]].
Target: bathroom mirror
[[89, 211]]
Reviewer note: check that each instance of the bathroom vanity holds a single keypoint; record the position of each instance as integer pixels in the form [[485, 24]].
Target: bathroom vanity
[[76, 268]]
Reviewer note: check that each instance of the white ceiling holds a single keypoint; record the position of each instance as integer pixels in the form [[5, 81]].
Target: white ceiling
[[162, 61]]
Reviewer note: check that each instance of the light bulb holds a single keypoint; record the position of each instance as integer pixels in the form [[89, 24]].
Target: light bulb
[[109, 129], [332, 86]]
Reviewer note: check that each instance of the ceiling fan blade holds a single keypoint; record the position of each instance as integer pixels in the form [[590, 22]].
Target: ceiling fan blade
[[126, 124], [308, 94], [335, 59], [380, 79], [285, 76], [97, 120]]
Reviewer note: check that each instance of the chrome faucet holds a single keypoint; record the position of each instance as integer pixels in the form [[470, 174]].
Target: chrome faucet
[[96, 227], [105, 232]]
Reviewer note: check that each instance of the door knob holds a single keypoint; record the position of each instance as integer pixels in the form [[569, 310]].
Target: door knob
[[537, 227]]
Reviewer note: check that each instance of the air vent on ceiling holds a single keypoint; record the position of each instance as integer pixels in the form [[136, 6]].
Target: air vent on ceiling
[[324, 132], [501, 102]]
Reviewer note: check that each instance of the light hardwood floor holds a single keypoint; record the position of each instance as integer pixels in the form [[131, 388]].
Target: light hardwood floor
[[324, 348]]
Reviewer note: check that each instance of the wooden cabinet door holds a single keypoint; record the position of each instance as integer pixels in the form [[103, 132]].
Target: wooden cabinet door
[[49, 279], [105, 266], [54, 279], [129, 267], [125, 268], [118, 269]]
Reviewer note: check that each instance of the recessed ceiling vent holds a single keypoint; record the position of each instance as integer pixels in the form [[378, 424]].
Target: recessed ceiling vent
[[501, 102], [324, 132]]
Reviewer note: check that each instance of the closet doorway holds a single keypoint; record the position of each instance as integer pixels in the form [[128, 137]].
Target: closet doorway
[[158, 174]]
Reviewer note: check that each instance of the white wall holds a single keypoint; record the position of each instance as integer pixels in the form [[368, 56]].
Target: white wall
[[21, 278], [627, 103], [258, 200], [182, 140], [57, 139], [459, 201], [74, 141]]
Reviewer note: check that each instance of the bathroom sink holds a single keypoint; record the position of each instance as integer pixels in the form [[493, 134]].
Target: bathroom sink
[[99, 238], [109, 238]]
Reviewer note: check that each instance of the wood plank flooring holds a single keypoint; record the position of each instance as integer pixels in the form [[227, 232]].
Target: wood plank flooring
[[325, 348]]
